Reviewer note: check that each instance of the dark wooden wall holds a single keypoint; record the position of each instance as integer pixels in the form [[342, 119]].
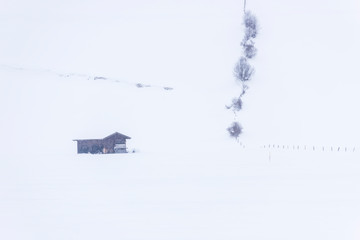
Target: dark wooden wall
[[105, 145]]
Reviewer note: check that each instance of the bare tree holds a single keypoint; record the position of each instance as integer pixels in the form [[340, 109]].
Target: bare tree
[[251, 27], [249, 50], [236, 104], [243, 70], [235, 130]]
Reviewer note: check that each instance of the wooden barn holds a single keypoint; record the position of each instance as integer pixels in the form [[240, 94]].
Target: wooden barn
[[114, 143]]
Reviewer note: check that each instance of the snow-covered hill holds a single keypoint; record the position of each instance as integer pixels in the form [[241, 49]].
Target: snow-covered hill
[[294, 173], [46, 111]]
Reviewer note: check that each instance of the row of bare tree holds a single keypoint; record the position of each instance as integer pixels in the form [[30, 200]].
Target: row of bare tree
[[243, 71]]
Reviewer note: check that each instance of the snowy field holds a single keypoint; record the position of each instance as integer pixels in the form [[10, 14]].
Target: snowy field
[[214, 195], [70, 70], [208, 188]]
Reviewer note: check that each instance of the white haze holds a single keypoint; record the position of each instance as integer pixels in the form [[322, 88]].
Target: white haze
[[188, 179]]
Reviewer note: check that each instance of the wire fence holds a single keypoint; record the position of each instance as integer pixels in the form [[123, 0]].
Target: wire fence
[[322, 148]]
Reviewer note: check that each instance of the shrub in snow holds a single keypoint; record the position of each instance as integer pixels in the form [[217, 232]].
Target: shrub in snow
[[235, 130], [243, 70], [251, 26], [249, 50], [236, 104]]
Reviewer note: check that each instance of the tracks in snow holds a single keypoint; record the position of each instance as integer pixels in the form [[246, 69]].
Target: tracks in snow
[[81, 76]]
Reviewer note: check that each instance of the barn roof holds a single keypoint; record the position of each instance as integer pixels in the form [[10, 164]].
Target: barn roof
[[117, 134], [111, 135]]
